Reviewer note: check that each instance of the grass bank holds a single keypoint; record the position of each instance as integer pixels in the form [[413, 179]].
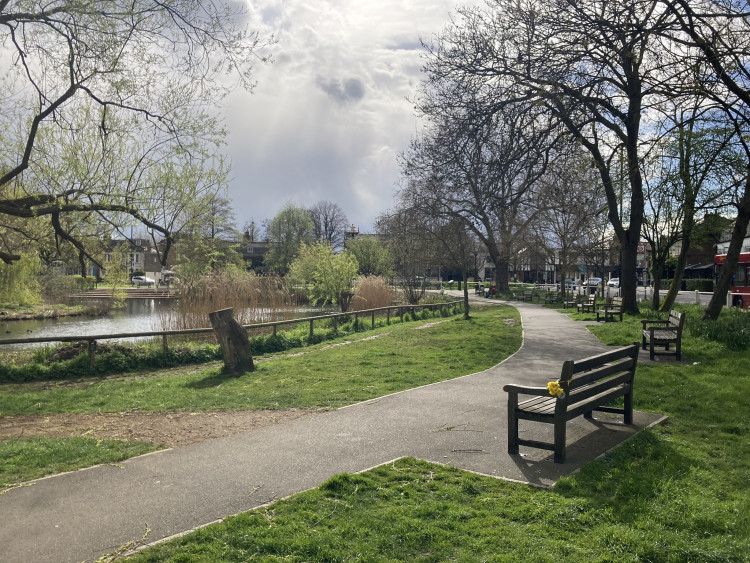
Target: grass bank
[[677, 492], [328, 375]]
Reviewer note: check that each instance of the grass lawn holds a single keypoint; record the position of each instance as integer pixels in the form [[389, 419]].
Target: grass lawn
[[336, 373], [675, 493]]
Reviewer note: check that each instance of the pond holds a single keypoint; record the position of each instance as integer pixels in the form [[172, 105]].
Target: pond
[[139, 315]]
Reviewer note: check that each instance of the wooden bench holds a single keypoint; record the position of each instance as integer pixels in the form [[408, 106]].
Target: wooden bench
[[588, 305], [610, 310], [571, 301], [551, 297], [528, 296], [588, 384], [663, 333]]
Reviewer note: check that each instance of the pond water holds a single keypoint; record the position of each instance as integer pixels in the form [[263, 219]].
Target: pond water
[[139, 315]]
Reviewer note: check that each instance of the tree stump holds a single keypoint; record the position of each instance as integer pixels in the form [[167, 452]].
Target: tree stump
[[235, 345]]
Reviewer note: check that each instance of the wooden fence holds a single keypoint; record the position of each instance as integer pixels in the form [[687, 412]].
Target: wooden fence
[[400, 310]]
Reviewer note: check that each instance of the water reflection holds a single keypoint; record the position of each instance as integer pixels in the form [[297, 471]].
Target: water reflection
[[139, 315]]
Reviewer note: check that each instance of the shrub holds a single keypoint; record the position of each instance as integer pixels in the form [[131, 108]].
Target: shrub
[[699, 285]]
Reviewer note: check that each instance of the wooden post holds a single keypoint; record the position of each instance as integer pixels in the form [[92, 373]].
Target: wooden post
[[164, 346], [373, 319], [92, 353], [312, 323], [235, 345]]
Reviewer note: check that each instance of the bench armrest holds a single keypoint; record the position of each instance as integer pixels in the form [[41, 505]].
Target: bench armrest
[[645, 322], [522, 390]]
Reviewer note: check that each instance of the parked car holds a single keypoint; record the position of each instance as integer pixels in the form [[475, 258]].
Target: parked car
[[142, 280], [593, 282], [614, 282]]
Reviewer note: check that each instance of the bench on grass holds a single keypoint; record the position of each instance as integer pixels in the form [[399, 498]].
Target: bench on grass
[[610, 310], [551, 297], [657, 332], [528, 296], [589, 384], [588, 305], [571, 301]]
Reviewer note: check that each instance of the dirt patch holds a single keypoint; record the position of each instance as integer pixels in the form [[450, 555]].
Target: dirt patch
[[172, 429]]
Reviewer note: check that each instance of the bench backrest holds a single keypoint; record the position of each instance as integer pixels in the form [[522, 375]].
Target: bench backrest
[[617, 301], [677, 319], [585, 378]]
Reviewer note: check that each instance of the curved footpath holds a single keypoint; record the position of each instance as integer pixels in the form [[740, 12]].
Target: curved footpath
[[462, 422]]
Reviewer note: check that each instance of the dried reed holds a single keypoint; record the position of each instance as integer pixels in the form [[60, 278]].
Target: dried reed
[[370, 292], [253, 299]]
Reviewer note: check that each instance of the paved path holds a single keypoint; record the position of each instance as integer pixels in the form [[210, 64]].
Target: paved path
[[462, 422]]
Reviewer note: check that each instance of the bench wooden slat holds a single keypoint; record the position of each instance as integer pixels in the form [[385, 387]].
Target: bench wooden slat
[[660, 332], [590, 384]]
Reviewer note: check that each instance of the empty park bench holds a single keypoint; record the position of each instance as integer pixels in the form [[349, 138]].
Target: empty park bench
[[588, 305], [551, 297], [658, 332], [571, 301], [588, 385], [610, 310], [528, 296]]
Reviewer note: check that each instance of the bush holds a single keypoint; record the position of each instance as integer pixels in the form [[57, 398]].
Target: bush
[[699, 285]]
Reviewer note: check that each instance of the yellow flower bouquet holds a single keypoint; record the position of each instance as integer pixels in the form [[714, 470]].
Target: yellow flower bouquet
[[555, 390]]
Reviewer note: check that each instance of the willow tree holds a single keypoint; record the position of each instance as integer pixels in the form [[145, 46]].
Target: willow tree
[[145, 72]]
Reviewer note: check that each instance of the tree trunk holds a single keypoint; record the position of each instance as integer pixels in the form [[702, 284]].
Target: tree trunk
[[235, 345], [466, 297], [733, 254]]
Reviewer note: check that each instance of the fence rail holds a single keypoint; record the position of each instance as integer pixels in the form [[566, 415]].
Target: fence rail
[[92, 339]]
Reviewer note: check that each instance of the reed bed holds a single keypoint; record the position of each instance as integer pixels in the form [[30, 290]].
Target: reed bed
[[253, 298], [371, 292]]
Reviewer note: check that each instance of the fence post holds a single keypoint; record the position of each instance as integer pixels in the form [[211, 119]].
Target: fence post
[[373, 319], [335, 323], [164, 346], [729, 298], [401, 313], [697, 297], [92, 353], [312, 322], [388, 316]]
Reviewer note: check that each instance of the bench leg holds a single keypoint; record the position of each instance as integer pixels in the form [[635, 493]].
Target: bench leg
[[678, 349], [559, 441], [628, 410], [512, 424]]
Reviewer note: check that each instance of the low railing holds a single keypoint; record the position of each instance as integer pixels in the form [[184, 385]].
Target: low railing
[[92, 339]]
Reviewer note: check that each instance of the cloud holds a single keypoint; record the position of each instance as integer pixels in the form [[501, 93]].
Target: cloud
[[351, 90], [328, 119]]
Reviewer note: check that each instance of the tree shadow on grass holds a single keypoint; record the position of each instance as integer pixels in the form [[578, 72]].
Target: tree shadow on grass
[[214, 380]]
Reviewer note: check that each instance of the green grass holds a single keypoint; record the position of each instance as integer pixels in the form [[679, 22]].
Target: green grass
[[23, 459], [352, 369], [675, 493]]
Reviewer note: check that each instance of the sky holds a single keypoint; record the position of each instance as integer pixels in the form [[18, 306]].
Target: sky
[[329, 117]]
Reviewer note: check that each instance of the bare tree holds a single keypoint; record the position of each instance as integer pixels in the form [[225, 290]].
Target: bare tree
[[715, 34], [482, 170], [329, 222], [595, 66]]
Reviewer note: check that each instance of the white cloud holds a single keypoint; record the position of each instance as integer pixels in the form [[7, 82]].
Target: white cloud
[[329, 117]]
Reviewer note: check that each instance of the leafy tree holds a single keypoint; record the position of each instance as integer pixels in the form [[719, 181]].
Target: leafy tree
[[330, 276], [126, 82], [287, 231], [373, 256], [19, 282]]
